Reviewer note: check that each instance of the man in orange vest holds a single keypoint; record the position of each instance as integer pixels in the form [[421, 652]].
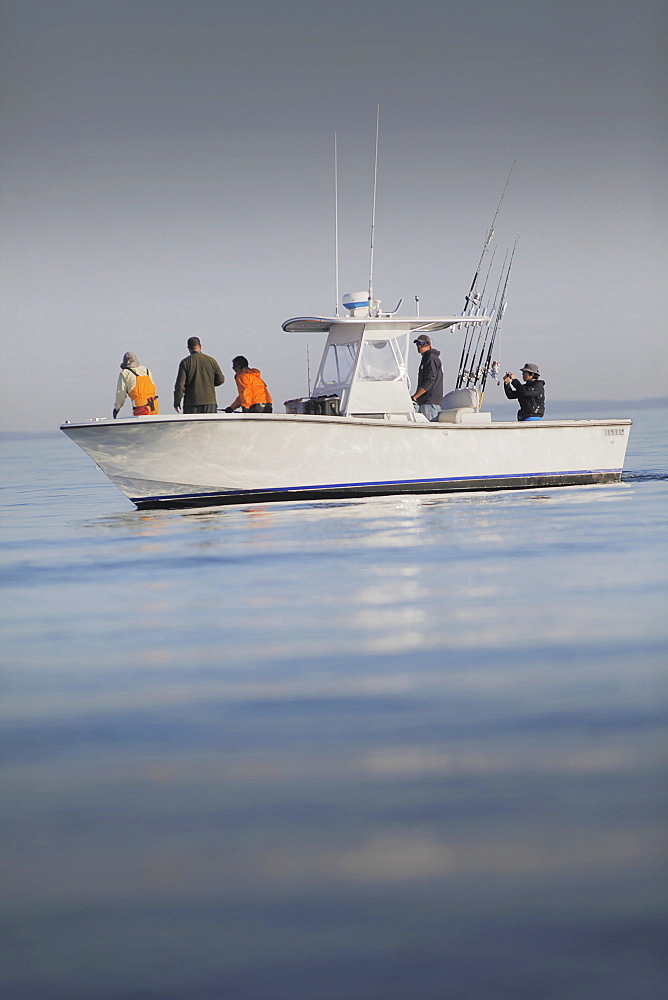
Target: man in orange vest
[[253, 393], [136, 382]]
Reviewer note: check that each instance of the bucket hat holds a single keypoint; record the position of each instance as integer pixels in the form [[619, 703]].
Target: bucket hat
[[532, 369]]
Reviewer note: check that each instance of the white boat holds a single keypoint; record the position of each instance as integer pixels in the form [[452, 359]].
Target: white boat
[[357, 435]]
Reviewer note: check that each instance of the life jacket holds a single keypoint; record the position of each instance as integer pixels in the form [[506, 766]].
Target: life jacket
[[143, 396]]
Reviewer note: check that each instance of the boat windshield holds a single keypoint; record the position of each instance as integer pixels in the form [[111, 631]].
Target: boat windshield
[[382, 361], [339, 363]]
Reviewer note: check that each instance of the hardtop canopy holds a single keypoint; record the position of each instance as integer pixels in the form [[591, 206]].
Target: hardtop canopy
[[396, 324]]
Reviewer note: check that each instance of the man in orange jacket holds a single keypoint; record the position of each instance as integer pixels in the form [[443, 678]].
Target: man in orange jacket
[[253, 393]]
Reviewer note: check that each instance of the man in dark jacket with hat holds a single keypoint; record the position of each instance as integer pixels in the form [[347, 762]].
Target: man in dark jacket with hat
[[531, 395], [429, 392]]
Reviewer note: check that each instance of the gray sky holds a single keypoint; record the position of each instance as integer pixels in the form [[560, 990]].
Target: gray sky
[[168, 171]]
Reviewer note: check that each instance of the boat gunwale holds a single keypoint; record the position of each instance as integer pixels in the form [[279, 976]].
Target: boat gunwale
[[307, 418]]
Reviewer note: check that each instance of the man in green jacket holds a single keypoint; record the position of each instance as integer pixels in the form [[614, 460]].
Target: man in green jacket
[[197, 380]]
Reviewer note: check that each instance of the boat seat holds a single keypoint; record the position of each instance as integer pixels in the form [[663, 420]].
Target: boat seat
[[464, 415], [460, 406], [460, 398]]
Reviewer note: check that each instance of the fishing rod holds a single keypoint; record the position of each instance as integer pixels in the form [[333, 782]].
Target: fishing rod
[[472, 297], [498, 284], [466, 346], [487, 310], [503, 305], [488, 240], [480, 363], [462, 375], [489, 269], [471, 329], [470, 374], [476, 363], [497, 324]]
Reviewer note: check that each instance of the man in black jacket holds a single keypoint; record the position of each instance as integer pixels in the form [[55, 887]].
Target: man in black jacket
[[531, 395], [429, 392]]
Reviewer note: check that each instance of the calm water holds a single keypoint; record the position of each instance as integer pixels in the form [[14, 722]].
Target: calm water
[[368, 750]]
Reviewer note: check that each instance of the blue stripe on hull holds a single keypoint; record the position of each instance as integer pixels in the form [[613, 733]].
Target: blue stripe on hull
[[456, 484]]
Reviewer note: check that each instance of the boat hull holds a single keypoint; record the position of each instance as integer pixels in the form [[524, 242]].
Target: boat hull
[[214, 459]]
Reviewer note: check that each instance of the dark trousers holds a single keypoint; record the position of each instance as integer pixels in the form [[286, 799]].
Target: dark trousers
[[258, 408], [203, 408]]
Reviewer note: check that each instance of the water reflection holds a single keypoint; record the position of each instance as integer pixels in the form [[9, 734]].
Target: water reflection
[[370, 749]]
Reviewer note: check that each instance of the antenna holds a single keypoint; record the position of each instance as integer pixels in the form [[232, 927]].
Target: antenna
[[336, 229], [373, 211]]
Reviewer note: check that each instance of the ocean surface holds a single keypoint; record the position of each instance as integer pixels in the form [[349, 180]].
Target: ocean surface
[[367, 750]]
